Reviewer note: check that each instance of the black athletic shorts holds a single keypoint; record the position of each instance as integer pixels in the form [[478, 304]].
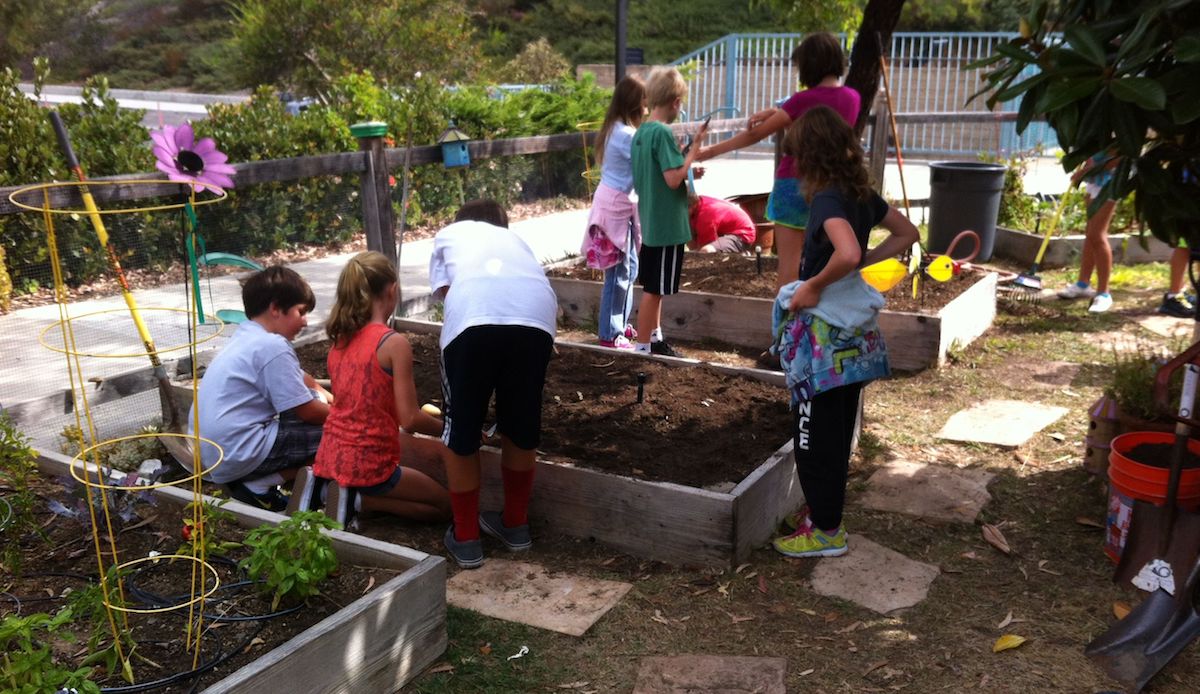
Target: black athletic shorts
[[508, 360], [659, 269]]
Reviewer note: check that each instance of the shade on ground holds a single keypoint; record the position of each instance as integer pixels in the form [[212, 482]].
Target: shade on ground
[[528, 594], [711, 674], [1008, 423], [938, 492], [873, 576]]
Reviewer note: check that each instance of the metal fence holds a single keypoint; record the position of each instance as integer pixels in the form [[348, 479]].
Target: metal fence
[[744, 73]]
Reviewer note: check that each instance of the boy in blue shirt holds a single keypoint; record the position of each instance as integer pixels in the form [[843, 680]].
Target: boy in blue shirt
[[255, 401], [659, 170]]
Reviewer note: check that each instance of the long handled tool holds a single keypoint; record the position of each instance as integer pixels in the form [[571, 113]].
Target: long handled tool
[[1030, 280], [93, 212], [1166, 621]]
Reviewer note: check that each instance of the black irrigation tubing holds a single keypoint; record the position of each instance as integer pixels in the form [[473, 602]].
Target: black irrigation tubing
[[221, 657], [8, 514], [160, 601]]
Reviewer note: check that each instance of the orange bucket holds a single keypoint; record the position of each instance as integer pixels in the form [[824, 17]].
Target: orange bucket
[[1130, 480]]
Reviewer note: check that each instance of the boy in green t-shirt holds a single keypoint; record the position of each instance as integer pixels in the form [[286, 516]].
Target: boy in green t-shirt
[[659, 170]]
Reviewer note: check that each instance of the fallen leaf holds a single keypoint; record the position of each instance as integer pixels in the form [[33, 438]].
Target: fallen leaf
[[256, 641], [738, 620], [873, 667], [574, 685], [740, 568], [762, 584], [810, 613], [444, 667], [1006, 642], [1023, 572], [1089, 522], [1006, 621], [808, 672], [608, 561], [969, 555], [996, 538], [723, 589], [1043, 569], [658, 617], [370, 585], [751, 575], [1120, 609], [486, 649], [850, 628], [1057, 436]]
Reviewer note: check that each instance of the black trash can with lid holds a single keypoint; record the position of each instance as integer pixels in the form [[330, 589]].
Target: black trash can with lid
[[964, 195]]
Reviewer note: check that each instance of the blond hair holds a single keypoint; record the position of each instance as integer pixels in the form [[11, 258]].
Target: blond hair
[[664, 86], [366, 276]]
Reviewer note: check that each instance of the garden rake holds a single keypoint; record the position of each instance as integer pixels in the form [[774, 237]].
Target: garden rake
[[1030, 280]]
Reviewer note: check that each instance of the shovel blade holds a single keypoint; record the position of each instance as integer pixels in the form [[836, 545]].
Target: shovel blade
[[1134, 649]]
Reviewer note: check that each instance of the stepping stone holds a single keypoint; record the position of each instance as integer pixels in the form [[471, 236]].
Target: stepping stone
[[1007, 423], [1167, 326], [711, 674], [874, 576], [928, 491], [527, 593]]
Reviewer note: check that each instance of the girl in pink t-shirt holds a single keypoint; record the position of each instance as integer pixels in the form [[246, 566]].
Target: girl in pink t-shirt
[[821, 62]]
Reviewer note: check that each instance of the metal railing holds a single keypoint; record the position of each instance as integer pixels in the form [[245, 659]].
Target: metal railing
[[751, 72]]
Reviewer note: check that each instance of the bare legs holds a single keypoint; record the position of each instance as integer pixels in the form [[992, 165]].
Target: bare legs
[[649, 314], [1097, 253], [417, 495]]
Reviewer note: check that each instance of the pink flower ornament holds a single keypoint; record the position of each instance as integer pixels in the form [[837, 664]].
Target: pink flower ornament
[[183, 159]]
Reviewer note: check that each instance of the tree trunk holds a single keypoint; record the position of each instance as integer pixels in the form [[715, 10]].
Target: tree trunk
[[879, 21]]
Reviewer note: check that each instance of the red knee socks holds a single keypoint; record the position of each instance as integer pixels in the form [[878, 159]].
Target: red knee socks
[[518, 487], [465, 507]]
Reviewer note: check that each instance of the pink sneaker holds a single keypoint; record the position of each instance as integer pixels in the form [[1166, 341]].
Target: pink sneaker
[[620, 342], [630, 332]]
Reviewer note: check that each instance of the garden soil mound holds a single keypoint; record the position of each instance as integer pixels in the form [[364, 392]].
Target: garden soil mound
[[694, 427]]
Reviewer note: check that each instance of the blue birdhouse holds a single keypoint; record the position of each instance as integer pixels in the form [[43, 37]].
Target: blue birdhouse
[[454, 147]]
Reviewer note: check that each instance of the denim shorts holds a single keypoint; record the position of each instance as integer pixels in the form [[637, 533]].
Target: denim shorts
[[382, 488], [787, 205]]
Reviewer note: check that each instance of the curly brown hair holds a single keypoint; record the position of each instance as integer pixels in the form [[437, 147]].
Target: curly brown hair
[[827, 154]]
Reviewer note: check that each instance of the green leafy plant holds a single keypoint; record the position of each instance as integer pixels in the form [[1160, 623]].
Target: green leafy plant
[[292, 558], [1122, 79], [1132, 382], [30, 665], [102, 648], [215, 523], [18, 466]]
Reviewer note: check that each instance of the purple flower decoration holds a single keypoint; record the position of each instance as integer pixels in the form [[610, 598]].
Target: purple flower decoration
[[181, 158]]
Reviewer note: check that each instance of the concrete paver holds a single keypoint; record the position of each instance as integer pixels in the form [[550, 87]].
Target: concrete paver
[[938, 492], [1007, 423], [711, 674], [529, 594], [874, 576]]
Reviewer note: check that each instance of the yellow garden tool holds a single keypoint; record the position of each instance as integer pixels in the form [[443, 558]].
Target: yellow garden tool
[[888, 273], [93, 213]]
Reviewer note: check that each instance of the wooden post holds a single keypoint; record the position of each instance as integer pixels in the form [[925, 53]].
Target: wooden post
[[378, 221], [879, 141]]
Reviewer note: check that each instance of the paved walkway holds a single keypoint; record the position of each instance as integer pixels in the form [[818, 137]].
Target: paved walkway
[[30, 371]]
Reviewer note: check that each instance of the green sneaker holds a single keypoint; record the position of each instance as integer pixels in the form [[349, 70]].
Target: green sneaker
[[809, 541]]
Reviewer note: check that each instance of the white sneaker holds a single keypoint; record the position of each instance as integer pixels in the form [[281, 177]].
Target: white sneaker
[[1101, 303], [1074, 291]]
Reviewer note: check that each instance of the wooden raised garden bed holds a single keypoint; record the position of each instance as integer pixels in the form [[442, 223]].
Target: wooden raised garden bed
[[915, 340], [663, 520], [377, 643], [1064, 251]]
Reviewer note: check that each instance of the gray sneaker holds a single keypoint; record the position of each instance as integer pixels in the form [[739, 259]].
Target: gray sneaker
[[515, 539], [468, 555]]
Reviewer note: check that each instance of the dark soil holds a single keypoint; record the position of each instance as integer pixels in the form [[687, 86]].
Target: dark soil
[[695, 426], [738, 275], [1159, 455], [64, 560]]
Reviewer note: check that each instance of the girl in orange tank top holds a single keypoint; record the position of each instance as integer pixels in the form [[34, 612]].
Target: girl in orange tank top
[[368, 434]]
